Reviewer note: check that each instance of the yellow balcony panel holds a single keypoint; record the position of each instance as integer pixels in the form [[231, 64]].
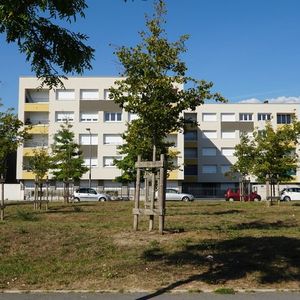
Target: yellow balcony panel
[[36, 107], [190, 178], [173, 175], [29, 151], [191, 161], [28, 175], [39, 129], [190, 144]]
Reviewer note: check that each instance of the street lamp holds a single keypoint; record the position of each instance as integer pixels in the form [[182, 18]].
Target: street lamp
[[90, 171]]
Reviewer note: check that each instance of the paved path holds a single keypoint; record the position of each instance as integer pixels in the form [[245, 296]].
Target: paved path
[[144, 296]]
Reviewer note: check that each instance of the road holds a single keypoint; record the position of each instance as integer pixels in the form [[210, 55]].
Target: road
[[144, 296]]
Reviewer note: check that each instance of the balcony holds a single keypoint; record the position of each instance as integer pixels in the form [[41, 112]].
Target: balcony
[[38, 107], [39, 129]]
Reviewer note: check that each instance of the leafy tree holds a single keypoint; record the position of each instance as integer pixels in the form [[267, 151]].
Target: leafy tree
[[68, 164], [39, 164], [47, 45], [12, 135], [154, 74], [270, 155], [245, 152]]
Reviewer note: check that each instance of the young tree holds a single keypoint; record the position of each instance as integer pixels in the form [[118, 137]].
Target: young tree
[[245, 152], [39, 164], [271, 155], [47, 45], [154, 75], [12, 135], [68, 164]]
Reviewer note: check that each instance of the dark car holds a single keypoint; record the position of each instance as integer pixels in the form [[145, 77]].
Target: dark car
[[232, 195]]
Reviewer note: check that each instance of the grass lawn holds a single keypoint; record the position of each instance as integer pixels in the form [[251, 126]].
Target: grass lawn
[[206, 245]]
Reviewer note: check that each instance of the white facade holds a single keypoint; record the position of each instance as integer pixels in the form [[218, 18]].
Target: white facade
[[97, 122], [206, 151]]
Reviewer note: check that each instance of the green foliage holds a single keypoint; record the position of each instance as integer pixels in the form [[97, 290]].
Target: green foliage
[[270, 154], [47, 45], [12, 135], [67, 157], [40, 163], [152, 88]]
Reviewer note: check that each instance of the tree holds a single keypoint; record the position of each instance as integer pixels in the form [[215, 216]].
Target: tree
[[154, 75], [270, 155], [245, 152], [47, 45], [39, 164], [68, 164], [12, 135]]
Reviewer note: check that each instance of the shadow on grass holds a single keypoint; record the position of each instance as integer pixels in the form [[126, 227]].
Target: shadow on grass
[[263, 225], [270, 259], [225, 212]]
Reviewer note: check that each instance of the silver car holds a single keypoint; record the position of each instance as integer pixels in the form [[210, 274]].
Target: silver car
[[88, 194], [172, 194]]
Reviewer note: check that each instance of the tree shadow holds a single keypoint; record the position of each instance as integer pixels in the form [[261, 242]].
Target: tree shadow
[[225, 212], [270, 259], [263, 225]]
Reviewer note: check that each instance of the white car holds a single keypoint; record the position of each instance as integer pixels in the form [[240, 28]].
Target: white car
[[172, 194], [88, 194], [289, 194]]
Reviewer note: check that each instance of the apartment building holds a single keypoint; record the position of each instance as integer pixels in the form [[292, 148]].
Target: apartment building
[[209, 148], [205, 151], [97, 123]]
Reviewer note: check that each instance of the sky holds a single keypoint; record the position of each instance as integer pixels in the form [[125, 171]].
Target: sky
[[249, 49]]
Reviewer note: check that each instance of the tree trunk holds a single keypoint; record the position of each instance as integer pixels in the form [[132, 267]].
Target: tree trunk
[[2, 198]]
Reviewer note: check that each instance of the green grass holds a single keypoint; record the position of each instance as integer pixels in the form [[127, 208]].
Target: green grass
[[216, 245]]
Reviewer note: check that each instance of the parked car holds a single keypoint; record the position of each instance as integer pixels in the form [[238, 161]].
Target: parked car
[[172, 194], [88, 194], [289, 194], [231, 195]]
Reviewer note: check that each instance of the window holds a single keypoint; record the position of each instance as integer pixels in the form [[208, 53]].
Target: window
[[225, 169], [228, 134], [190, 117], [190, 135], [94, 162], [87, 139], [245, 117], [263, 117], [227, 151], [284, 118], [228, 117], [191, 170], [65, 94], [108, 161], [132, 116], [112, 139], [112, 116], [89, 94], [210, 151], [107, 94], [209, 134], [190, 152], [172, 138], [209, 117], [64, 116], [89, 117], [209, 169]]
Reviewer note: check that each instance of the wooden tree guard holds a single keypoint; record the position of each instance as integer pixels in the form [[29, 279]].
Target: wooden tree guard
[[154, 173]]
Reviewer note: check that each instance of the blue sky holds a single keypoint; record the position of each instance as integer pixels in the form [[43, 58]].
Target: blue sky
[[250, 49]]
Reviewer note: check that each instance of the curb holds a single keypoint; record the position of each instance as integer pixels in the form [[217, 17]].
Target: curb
[[250, 291]]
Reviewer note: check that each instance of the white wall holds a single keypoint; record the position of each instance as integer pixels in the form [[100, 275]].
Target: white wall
[[12, 191]]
